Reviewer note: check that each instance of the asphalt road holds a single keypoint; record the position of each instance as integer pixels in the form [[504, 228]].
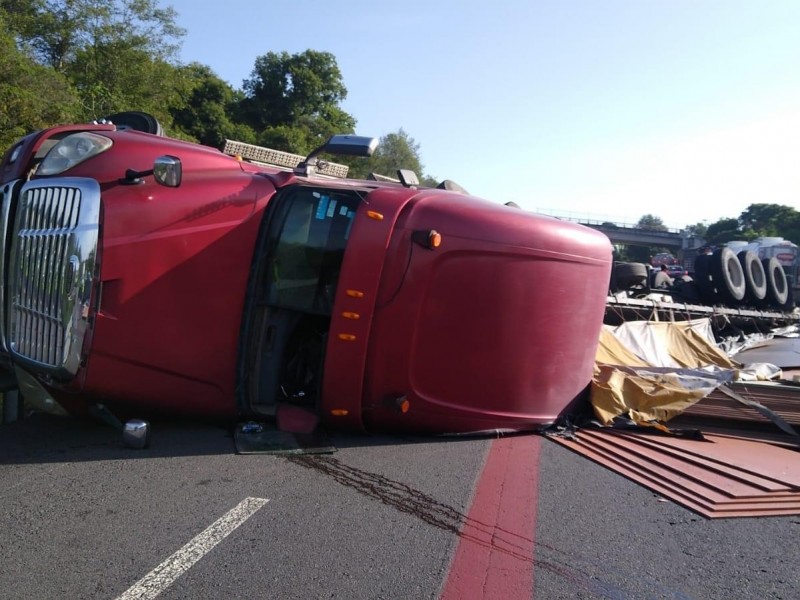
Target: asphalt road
[[83, 517]]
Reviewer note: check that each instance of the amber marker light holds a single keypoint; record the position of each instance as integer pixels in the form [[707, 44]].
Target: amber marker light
[[398, 403], [355, 293], [375, 215], [351, 315], [340, 412], [347, 337], [430, 239]]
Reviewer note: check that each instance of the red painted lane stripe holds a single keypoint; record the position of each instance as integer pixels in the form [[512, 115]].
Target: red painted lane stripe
[[494, 557]]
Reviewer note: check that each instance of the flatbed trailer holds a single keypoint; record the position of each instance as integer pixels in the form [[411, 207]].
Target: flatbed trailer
[[663, 307]]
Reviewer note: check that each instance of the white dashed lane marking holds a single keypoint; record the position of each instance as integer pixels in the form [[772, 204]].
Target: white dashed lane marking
[[165, 574]]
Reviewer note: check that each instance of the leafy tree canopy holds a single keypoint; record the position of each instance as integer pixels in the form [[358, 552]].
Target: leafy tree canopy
[[55, 31], [769, 220], [205, 108], [117, 54], [395, 151], [723, 231], [31, 96], [758, 220], [651, 223], [698, 230], [293, 101]]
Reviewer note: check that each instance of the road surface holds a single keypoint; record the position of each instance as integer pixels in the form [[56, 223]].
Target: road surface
[[384, 517]]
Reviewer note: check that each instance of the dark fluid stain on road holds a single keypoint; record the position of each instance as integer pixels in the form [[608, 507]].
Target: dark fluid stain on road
[[399, 496], [407, 500]]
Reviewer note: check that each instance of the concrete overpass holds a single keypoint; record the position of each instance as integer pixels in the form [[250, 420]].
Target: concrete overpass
[[628, 233], [638, 237]]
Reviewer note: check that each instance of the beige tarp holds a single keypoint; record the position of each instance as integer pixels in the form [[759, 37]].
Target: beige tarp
[[652, 371]]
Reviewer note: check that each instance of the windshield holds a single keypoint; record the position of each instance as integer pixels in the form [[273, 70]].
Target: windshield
[[308, 241]]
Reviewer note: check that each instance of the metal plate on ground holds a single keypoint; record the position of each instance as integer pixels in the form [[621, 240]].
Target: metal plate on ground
[[260, 438]]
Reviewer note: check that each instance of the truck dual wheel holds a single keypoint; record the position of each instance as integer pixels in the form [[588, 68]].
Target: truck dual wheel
[[728, 276], [777, 286], [754, 276]]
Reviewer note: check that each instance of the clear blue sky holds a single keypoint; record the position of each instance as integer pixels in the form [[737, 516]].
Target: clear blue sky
[[686, 109]]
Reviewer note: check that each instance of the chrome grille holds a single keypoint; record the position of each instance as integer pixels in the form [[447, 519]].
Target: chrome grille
[[53, 256], [8, 198]]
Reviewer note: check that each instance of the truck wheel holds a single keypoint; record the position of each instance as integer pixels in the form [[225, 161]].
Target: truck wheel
[[789, 304], [628, 275], [777, 286], [726, 271], [134, 119], [754, 277], [702, 279]]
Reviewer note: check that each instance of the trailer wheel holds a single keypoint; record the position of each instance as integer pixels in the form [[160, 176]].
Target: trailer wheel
[[726, 271], [627, 275], [754, 276], [702, 279], [777, 285]]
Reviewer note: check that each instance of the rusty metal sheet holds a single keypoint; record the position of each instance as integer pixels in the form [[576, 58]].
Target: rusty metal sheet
[[781, 398], [688, 484], [694, 503], [764, 483], [727, 476], [764, 459], [698, 474]]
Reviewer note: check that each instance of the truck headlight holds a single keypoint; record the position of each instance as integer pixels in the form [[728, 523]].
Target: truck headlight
[[71, 151]]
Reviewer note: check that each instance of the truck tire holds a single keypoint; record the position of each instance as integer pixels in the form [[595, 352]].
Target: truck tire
[[627, 275], [777, 285], [754, 276], [728, 276], [702, 280], [137, 120]]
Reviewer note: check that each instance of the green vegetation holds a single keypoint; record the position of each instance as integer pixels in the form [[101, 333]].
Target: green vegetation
[[82, 60], [757, 220]]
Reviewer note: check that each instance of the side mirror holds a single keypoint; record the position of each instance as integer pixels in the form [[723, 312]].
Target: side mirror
[[348, 145], [168, 171]]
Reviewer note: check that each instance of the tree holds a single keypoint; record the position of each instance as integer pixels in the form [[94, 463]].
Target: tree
[[292, 101], [32, 96], [207, 102], [698, 230], [395, 151], [118, 54], [651, 223], [769, 220], [121, 77], [55, 31], [722, 231]]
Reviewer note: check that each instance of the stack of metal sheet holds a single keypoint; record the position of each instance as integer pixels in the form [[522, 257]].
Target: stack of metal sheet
[[782, 399], [721, 476]]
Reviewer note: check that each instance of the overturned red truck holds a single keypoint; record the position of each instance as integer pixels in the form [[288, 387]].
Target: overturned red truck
[[152, 275]]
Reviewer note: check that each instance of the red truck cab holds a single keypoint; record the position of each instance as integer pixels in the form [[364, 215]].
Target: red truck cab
[[153, 275]]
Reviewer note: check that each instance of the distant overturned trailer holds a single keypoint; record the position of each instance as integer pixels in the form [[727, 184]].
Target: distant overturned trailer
[[739, 287], [150, 275]]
